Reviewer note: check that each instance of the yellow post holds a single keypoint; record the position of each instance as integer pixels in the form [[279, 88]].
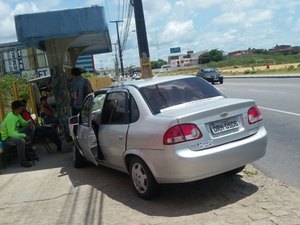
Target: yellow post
[[146, 69], [1, 109], [33, 102], [16, 91]]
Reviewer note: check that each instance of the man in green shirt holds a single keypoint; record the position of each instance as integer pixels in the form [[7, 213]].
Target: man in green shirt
[[14, 129]]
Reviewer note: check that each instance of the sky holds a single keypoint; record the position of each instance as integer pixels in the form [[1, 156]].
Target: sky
[[197, 25]]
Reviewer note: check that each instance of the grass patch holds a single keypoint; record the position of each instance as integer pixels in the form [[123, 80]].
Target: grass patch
[[250, 173]]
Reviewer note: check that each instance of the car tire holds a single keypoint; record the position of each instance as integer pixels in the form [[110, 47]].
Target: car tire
[[235, 171], [143, 181], [212, 82], [221, 81], [78, 159]]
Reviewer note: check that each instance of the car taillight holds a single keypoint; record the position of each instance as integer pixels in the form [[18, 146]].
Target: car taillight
[[254, 115], [181, 133]]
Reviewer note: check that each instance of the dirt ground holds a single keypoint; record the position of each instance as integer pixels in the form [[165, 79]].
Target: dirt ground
[[258, 68], [230, 70]]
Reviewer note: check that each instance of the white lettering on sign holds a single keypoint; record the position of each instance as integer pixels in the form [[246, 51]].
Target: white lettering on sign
[[12, 62]]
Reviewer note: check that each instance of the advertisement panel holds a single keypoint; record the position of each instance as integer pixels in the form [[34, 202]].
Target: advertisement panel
[[175, 50], [11, 61]]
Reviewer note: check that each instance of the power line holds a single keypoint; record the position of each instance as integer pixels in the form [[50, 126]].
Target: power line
[[127, 25], [107, 9]]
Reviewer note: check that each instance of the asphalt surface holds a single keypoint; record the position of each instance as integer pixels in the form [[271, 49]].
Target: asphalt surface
[[279, 101]]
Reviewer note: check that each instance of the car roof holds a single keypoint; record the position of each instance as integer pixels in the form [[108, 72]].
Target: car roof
[[151, 81]]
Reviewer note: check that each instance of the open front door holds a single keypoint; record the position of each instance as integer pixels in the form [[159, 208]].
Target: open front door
[[85, 133]]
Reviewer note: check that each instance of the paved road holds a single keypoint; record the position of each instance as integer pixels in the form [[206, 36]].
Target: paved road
[[53, 192], [279, 101]]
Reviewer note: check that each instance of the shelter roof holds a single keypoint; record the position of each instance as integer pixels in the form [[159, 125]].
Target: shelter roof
[[84, 28]]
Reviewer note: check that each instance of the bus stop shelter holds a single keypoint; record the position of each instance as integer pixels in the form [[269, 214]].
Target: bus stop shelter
[[64, 35]]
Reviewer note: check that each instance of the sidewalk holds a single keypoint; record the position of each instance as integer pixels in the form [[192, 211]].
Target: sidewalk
[[53, 192]]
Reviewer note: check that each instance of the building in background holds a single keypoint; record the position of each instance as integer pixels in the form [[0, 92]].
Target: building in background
[[16, 58], [86, 62], [181, 60]]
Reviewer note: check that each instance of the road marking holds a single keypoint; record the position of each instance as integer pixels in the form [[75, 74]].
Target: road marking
[[278, 92], [276, 110]]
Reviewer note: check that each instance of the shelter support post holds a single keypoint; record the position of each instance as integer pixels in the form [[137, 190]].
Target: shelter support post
[[56, 54]]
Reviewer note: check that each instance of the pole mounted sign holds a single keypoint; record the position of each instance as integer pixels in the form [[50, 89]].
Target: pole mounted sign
[[175, 50]]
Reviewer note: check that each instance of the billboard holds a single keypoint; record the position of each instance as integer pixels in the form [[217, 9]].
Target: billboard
[[175, 50]]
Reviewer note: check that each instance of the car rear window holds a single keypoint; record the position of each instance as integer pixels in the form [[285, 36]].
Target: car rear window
[[176, 92]]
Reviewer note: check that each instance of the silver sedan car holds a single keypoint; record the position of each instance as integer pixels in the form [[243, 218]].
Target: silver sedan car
[[167, 130]]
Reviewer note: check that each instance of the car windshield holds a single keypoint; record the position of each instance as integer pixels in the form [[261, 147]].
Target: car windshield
[[176, 92], [209, 70]]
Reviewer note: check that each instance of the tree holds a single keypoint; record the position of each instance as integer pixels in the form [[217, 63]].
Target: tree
[[6, 87], [204, 58], [157, 64], [216, 55]]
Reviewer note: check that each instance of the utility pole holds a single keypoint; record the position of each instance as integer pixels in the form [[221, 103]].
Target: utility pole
[[119, 45], [142, 39], [116, 60]]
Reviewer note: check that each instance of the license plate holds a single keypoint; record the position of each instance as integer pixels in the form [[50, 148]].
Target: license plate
[[224, 125]]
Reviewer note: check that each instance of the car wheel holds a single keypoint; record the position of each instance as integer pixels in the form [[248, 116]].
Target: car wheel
[[235, 171], [142, 179], [78, 160], [221, 81], [212, 82]]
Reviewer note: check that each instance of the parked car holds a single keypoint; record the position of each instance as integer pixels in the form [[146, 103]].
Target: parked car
[[211, 75], [167, 130]]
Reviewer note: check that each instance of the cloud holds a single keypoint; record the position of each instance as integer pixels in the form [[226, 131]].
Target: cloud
[[25, 8], [8, 9], [7, 25], [156, 11], [296, 28], [246, 18], [176, 31]]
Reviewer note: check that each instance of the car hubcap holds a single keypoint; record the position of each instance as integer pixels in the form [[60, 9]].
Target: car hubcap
[[139, 178]]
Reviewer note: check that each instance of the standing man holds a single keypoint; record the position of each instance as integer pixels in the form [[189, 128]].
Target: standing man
[[79, 89], [15, 131]]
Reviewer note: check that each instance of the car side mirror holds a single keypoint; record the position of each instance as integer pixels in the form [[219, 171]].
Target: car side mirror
[[74, 120]]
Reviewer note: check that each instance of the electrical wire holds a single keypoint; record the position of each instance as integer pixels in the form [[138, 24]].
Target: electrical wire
[[126, 27], [106, 6]]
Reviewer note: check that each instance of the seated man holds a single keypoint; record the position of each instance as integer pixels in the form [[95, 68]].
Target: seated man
[[13, 135], [47, 112], [42, 131]]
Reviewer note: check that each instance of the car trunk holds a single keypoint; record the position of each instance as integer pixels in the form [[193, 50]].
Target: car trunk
[[220, 120]]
